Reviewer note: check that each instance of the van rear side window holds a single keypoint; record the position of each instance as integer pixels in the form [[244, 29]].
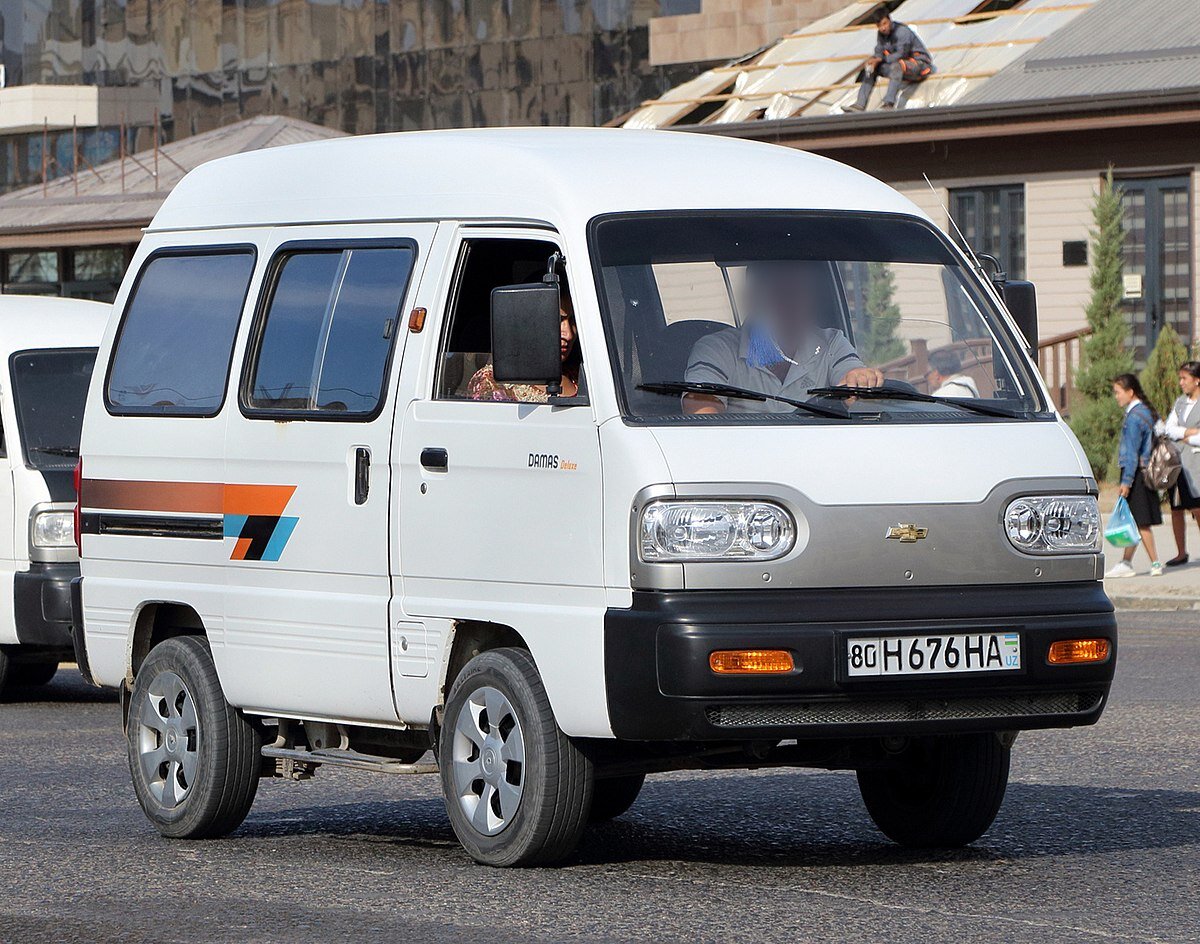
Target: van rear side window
[[175, 342], [326, 341]]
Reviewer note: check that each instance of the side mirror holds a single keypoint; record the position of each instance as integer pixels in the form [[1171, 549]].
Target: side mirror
[[526, 344], [1020, 298]]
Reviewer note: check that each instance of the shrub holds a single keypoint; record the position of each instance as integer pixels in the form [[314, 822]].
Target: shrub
[[1160, 379]]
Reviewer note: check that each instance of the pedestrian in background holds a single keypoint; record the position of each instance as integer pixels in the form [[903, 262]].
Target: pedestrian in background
[[1137, 442], [1183, 425]]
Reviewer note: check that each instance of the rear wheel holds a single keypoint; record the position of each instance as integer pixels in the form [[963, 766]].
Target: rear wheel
[[613, 796], [194, 759], [945, 791], [15, 675], [517, 789]]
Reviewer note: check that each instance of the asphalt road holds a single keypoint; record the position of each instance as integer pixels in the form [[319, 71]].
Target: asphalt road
[[1098, 840]]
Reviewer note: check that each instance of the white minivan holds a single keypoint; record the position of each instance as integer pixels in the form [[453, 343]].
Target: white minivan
[[47, 349], [576, 455]]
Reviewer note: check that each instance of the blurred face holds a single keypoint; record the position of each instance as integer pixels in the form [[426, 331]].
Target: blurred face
[[566, 334], [885, 26], [1122, 396], [1188, 384], [783, 297]]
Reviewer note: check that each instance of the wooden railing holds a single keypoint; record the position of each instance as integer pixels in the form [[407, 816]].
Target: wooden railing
[[1058, 358]]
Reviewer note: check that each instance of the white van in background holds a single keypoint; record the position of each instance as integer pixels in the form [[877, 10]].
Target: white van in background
[[575, 455], [48, 346]]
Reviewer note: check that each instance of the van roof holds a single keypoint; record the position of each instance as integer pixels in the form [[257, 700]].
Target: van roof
[[563, 176], [29, 322]]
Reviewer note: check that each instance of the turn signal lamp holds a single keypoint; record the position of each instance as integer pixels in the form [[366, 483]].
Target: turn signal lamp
[[751, 662], [1076, 651]]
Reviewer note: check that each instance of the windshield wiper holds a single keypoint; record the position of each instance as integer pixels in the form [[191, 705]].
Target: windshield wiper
[[71, 452], [724, 390], [894, 393]]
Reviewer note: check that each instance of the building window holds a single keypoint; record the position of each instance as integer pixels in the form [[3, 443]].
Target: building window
[[34, 271], [992, 220]]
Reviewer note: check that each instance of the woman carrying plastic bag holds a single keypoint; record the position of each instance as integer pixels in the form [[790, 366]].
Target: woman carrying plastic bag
[[1138, 501]]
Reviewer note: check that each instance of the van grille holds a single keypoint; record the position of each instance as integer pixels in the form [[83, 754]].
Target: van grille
[[941, 709]]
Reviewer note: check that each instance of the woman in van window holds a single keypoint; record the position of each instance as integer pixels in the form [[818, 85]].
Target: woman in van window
[[1183, 425], [1137, 441], [483, 384]]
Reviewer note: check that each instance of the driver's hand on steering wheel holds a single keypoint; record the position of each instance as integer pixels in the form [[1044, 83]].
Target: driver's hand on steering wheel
[[861, 377]]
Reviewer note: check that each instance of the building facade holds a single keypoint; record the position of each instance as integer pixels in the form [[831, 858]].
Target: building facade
[[356, 65]]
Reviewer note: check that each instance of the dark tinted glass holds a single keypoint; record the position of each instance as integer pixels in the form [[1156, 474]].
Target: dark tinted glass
[[329, 331], [173, 352], [50, 390]]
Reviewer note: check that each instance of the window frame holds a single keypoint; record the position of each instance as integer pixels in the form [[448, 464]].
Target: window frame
[[1027, 371], [222, 249], [262, 311], [450, 310], [1006, 192]]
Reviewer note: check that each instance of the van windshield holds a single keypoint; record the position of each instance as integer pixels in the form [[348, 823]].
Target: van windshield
[[49, 392], [739, 317]]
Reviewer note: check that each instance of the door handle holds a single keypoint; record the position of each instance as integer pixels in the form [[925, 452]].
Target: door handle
[[435, 460], [362, 474]]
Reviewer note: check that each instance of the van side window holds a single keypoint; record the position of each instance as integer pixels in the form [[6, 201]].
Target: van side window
[[326, 341], [466, 352], [175, 342]]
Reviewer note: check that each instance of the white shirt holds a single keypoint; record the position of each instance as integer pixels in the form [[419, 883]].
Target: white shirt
[[1175, 426], [960, 385]]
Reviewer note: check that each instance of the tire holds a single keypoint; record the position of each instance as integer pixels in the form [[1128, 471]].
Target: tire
[[945, 793], [612, 796], [17, 675], [32, 674], [517, 790], [207, 753]]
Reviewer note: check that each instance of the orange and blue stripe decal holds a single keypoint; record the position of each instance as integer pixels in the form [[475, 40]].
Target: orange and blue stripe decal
[[253, 515]]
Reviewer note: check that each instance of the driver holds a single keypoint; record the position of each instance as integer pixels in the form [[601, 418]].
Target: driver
[[780, 349]]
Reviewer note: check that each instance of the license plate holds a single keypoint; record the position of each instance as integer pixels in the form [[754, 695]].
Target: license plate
[[933, 655]]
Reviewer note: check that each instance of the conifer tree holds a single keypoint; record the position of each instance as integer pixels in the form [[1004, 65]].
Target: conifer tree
[[1096, 418]]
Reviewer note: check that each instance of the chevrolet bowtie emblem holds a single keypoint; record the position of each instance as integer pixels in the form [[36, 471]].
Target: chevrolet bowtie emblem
[[906, 533]]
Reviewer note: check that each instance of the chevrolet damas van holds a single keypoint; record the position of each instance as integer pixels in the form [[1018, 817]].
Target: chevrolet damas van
[[572, 456]]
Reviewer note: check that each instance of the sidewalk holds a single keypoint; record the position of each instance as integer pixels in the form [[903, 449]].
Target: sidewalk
[[1177, 589]]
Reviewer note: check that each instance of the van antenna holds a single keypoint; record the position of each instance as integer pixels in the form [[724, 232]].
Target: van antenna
[[961, 238]]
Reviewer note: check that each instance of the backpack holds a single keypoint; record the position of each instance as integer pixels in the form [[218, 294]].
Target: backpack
[[1164, 465]]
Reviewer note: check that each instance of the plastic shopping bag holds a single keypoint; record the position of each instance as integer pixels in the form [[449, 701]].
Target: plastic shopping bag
[[1122, 530]]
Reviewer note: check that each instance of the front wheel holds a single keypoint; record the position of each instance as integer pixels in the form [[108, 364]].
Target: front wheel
[[517, 789], [944, 792], [194, 759]]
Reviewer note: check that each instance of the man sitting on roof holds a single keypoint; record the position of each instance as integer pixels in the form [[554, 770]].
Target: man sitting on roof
[[900, 57]]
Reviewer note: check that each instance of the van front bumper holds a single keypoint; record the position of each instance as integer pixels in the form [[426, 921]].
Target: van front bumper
[[660, 687], [42, 605]]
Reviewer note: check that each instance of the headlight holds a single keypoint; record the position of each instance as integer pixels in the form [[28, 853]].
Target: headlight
[[715, 530], [54, 529], [1054, 524]]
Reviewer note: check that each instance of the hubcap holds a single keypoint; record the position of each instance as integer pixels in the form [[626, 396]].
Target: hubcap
[[168, 739], [488, 758]]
